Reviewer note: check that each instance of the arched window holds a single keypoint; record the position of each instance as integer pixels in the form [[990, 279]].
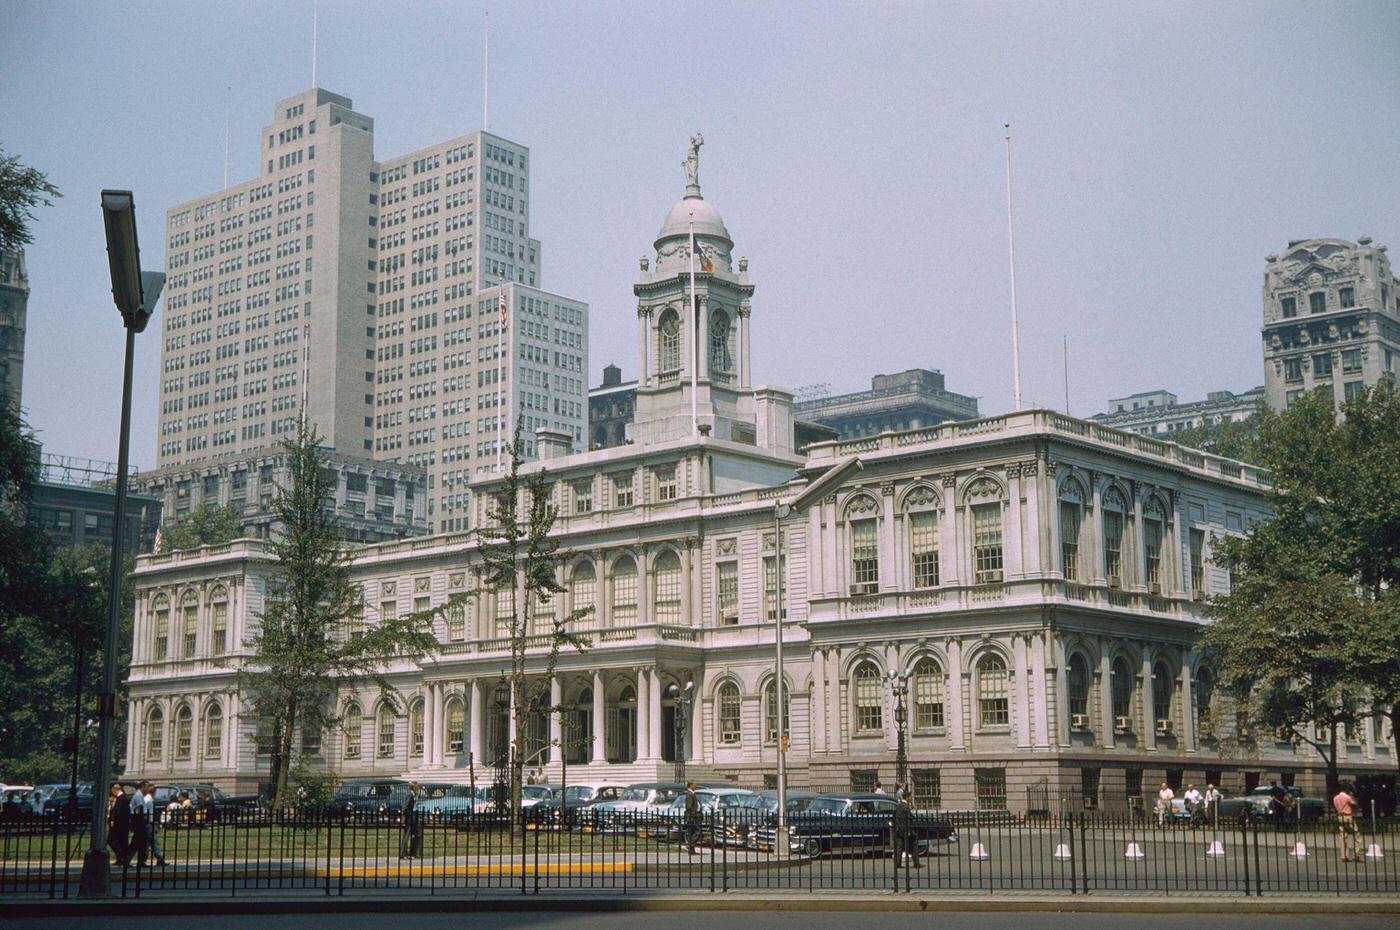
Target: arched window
[[456, 723], [624, 592], [213, 731], [1153, 533], [923, 537], [667, 605], [669, 346], [1071, 518], [1204, 692], [869, 709], [184, 733], [928, 695], [155, 734], [218, 622], [584, 592], [730, 716], [720, 359], [161, 644], [1114, 526], [354, 727], [385, 726], [1121, 687], [189, 624], [1163, 691], [415, 729], [1077, 682], [993, 705], [770, 711]]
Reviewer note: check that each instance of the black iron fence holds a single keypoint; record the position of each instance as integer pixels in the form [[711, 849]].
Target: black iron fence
[[248, 853]]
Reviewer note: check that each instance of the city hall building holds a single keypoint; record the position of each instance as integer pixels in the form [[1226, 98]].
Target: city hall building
[[1036, 581]]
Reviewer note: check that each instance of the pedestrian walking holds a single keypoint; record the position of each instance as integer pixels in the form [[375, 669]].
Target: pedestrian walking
[[906, 846], [119, 826], [1165, 796], [692, 818], [140, 826], [410, 826], [152, 818], [1349, 837]]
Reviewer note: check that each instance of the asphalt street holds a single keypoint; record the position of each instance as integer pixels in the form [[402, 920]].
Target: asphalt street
[[726, 921]]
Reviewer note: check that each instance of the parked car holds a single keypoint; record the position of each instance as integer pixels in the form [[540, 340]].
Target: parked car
[[717, 807], [456, 804], [1259, 803], [17, 805], [363, 797], [846, 824], [760, 809], [638, 803], [52, 801], [579, 798]]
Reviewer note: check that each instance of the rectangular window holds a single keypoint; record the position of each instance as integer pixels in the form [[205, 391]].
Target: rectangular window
[[665, 482], [928, 698], [624, 600], [219, 629], [1322, 365], [1290, 307], [386, 735], [923, 547], [770, 588], [991, 789], [456, 621], [583, 497], [986, 543], [1198, 564], [355, 623], [1351, 360], [622, 490], [667, 594], [1317, 302], [1113, 548], [869, 703], [1352, 389], [505, 611], [1089, 786], [1132, 782], [863, 780], [421, 605], [1152, 543], [388, 611], [162, 643], [927, 787], [727, 586], [1293, 369], [191, 629], [865, 558], [1346, 297], [310, 742], [1069, 539]]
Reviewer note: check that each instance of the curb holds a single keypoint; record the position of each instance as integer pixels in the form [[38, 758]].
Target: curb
[[887, 902]]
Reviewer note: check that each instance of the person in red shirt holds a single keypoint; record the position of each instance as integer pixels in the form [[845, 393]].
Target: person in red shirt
[[1344, 803]]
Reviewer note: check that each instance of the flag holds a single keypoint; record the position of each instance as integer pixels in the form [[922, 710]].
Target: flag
[[505, 311], [706, 265], [156, 550]]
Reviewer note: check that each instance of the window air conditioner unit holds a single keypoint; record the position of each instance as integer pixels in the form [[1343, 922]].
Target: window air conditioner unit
[[1164, 726], [1079, 722], [860, 590], [1154, 589], [1122, 724], [1114, 581]]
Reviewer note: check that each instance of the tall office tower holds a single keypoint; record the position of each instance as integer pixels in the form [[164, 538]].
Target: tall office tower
[[352, 285], [14, 303], [1331, 319]]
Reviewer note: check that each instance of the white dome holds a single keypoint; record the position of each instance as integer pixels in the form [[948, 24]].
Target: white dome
[[706, 218]]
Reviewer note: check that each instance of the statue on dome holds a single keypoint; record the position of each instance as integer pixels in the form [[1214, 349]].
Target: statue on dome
[[692, 164]]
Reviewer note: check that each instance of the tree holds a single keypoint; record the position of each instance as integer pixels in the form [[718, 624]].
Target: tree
[[21, 189], [312, 639], [1312, 597], [206, 525], [1233, 439], [521, 560]]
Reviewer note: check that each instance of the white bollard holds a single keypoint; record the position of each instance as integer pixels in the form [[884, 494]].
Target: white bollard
[[1134, 851], [1300, 850], [979, 852], [1062, 851], [1216, 849], [1374, 851]]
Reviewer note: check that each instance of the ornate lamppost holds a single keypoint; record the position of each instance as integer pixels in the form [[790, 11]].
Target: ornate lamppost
[[680, 702], [899, 688]]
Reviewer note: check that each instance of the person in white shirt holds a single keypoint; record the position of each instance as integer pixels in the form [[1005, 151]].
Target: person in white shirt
[[1192, 797], [1164, 803]]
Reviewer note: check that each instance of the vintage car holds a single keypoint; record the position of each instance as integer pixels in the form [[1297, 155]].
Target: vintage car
[[365, 797], [847, 824], [456, 804], [717, 806], [759, 810], [579, 798], [639, 803], [1259, 803]]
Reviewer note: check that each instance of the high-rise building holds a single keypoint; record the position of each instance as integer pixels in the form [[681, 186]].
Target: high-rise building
[[907, 400], [14, 302], [1154, 412], [1331, 319], [354, 289]]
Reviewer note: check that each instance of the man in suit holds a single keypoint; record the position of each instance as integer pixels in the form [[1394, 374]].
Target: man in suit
[[692, 817], [410, 825]]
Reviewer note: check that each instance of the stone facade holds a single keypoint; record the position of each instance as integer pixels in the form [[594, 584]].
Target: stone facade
[[1331, 319], [14, 309], [907, 400], [1153, 413]]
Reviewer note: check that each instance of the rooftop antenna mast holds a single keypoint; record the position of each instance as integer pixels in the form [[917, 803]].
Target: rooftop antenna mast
[[486, 76], [1011, 256], [315, 23]]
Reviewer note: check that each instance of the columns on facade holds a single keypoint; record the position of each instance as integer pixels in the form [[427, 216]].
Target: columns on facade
[[832, 574], [133, 724], [643, 714], [1188, 702], [950, 558], [834, 736], [599, 754], [1015, 557], [957, 738], [688, 617], [702, 340], [818, 700], [556, 729], [1041, 728], [1021, 665], [602, 608], [645, 604], [643, 347], [695, 735], [476, 742], [744, 347], [1061, 728], [429, 717], [1105, 690], [1139, 561], [1098, 572], [1149, 702], [654, 714]]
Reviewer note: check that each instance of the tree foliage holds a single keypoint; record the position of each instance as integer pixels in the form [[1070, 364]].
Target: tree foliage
[[22, 188], [521, 560], [1310, 628], [311, 639], [206, 525]]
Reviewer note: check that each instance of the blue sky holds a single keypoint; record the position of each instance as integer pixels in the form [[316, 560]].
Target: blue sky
[[854, 149]]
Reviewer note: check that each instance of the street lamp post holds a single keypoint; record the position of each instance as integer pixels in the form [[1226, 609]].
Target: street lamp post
[[805, 498], [680, 705], [135, 293], [899, 688]]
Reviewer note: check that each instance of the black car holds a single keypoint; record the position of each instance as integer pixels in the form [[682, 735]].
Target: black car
[[846, 824], [56, 805], [371, 797]]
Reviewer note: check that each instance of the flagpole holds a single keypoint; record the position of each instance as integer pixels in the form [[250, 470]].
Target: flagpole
[[1011, 256], [500, 383], [694, 338]]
